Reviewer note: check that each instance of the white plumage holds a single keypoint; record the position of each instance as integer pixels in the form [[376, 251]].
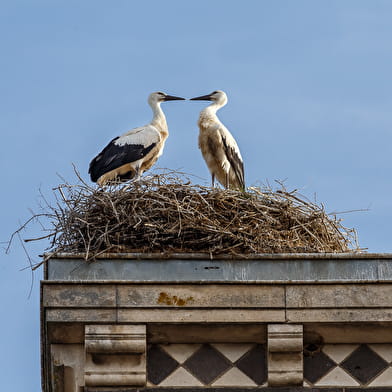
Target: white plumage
[[218, 146], [129, 155]]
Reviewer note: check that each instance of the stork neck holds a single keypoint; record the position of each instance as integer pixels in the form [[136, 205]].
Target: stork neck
[[210, 110], [159, 118]]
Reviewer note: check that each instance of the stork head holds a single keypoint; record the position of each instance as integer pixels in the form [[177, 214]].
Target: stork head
[[159, 97], [217, 96]]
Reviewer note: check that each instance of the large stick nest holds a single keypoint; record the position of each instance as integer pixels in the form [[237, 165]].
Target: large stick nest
[[166, 213]]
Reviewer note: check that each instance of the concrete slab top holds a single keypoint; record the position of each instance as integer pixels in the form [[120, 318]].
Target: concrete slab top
[[265, 268]]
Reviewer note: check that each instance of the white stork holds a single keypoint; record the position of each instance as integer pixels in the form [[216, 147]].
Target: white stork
[[129, 155], [218, 146]]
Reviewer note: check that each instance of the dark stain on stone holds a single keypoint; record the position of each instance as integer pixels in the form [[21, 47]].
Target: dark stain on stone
[[167, 299]]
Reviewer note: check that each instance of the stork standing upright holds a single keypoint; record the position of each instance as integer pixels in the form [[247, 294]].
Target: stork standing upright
[[129, 155], [218, 146]]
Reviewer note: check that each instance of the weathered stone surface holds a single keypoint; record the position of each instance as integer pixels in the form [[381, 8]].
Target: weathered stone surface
[[113, 370], [115, 338], [65, 333], [285, 337], [285, 361], [339, 296], [343, 299], [70, 359], [277, 268], [199, 315], [233, 296], [339, 315], [78, 295], [115, 355], [207, 333], [369, 332], [81, 315]]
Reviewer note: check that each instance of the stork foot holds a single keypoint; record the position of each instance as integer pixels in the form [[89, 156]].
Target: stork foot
[[138, 174]]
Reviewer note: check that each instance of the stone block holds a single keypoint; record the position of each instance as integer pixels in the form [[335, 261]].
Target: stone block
[[81, 315], [66, 333], [285, 361], [214, 296], [370, 332], [67, 367], [115, 355], [199, 315], [115, 339], [207, 333], [339, 315], [78, 295], [339, 296]]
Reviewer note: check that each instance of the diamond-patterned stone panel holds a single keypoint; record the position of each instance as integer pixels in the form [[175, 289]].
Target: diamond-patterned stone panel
[[339, 352], [245, 365], [364, 364], [383, 380], [207, 364], [337, 377], [254, 364], [233, 351], [383, 350], [234, 377], [159, 364], [317, 366], [180, 378], [181, 352]]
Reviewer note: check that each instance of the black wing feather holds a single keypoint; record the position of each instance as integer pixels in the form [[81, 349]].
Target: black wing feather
[[113, 156], [235, 162]]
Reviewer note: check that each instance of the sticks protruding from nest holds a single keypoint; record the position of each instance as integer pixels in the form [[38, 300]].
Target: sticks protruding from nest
[[166, 213]]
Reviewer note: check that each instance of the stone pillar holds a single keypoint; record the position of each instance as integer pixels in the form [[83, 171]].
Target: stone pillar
[[285, 359], [115, 355]]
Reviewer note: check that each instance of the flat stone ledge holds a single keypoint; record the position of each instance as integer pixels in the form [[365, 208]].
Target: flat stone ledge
[[265, 268], [216, 303], [57, 294]]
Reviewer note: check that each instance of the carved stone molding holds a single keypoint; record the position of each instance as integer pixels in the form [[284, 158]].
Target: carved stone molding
[[115, 355], [285, 359]]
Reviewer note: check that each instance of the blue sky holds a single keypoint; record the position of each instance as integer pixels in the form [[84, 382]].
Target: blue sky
[[309, 86]]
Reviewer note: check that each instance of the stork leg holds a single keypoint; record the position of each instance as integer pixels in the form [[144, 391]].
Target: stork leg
[[212, 180], [138, 174], [227, 181]]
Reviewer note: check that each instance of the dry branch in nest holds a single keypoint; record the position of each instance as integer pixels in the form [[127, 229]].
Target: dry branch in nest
[[165, 213]]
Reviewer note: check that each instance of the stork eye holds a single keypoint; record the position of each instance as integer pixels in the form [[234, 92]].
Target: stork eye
[[215, 92]]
